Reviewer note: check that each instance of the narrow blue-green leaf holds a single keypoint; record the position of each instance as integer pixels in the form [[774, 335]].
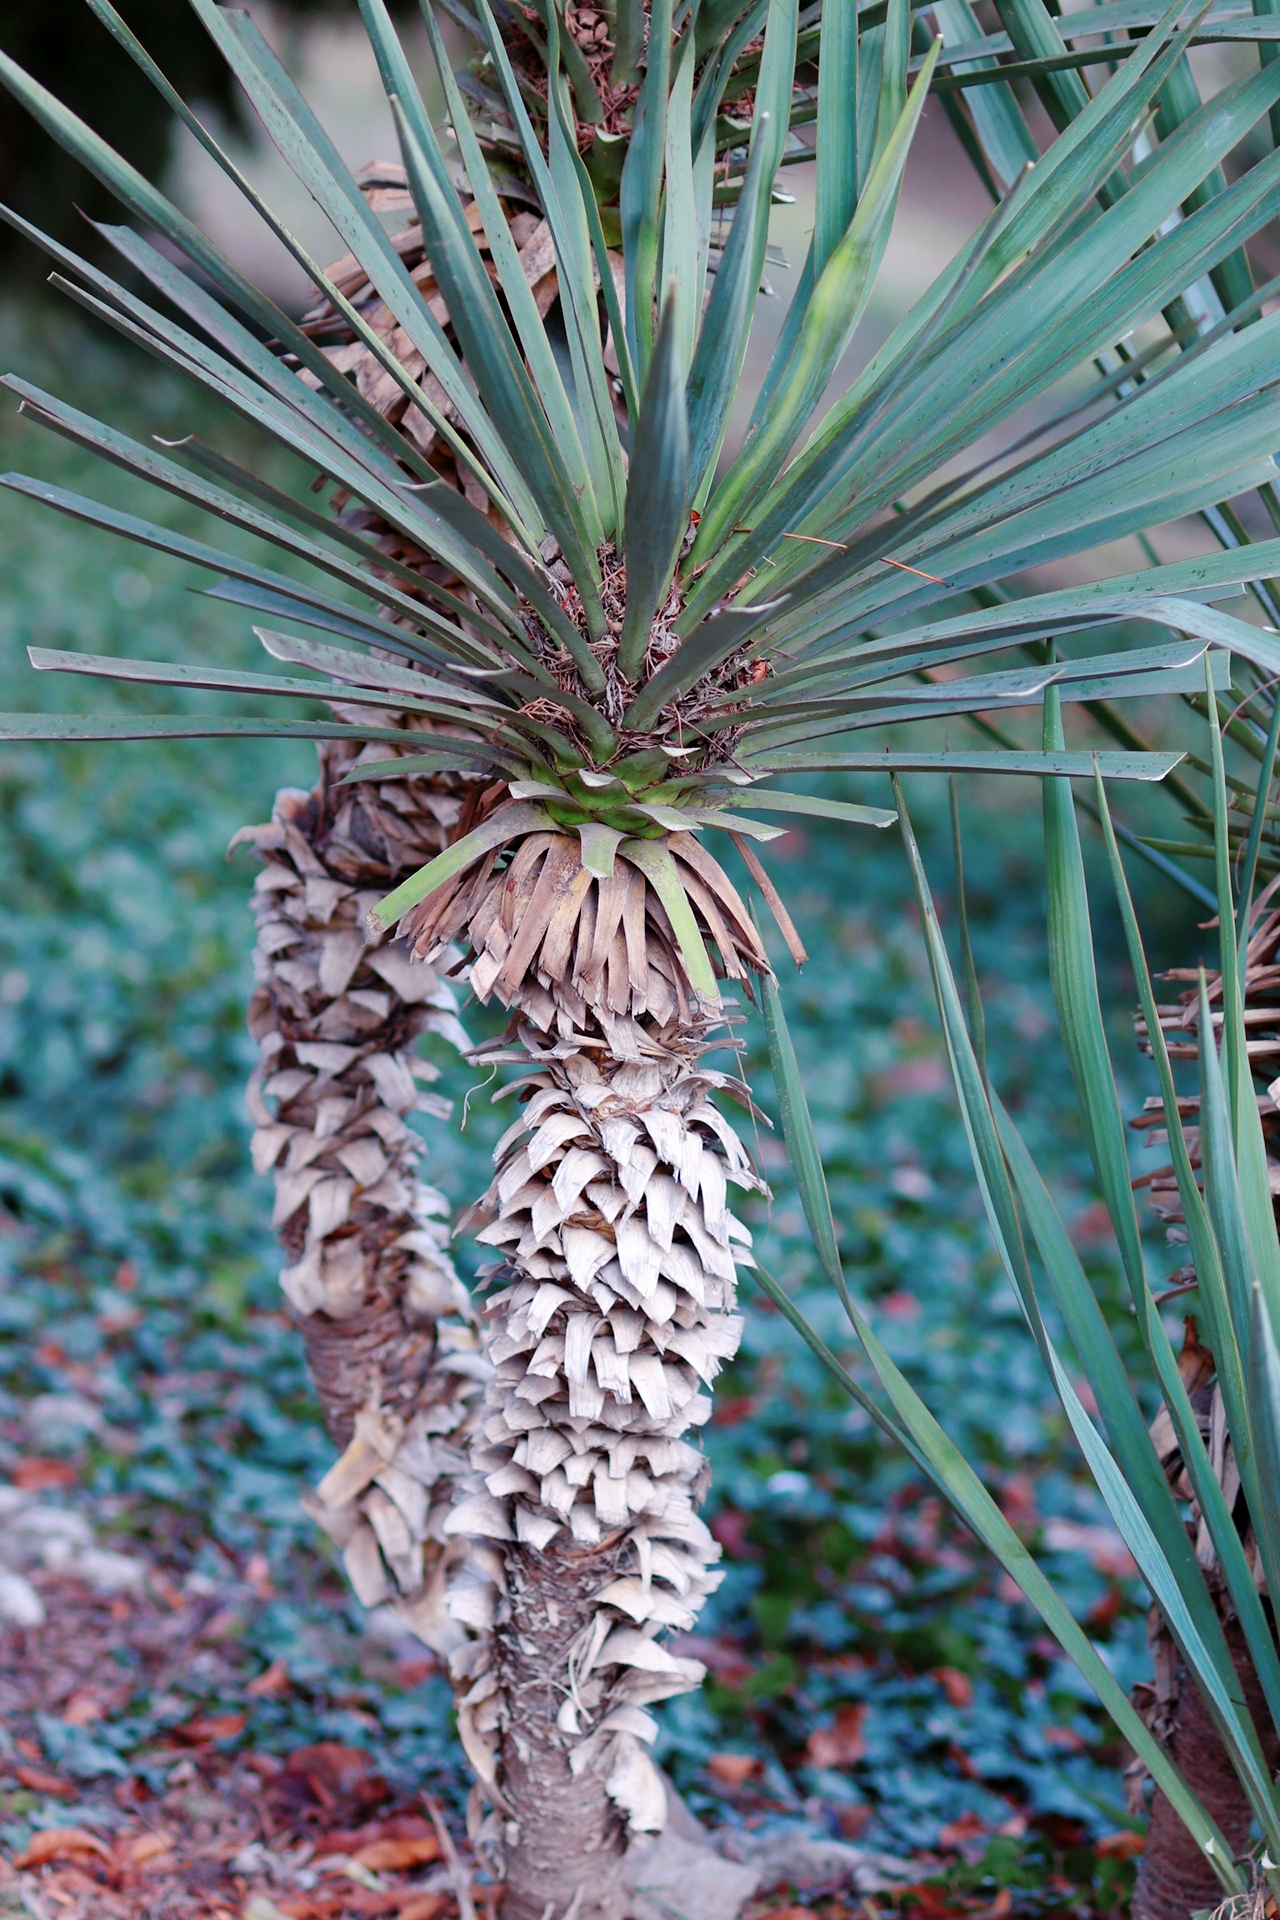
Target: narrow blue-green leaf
[[836, 169], [657, 495], [915, 1428], [640, 200], [295, 593], [1250, 1166], [1185, 1601], [838, 300], [515, 286], [493, 358], [1001, 130], [135, 457], [678, 278], [768, 800], [434, 698], [1112, 766], [311, 154], [1228, 1545], [797, 1129], [181, 726]]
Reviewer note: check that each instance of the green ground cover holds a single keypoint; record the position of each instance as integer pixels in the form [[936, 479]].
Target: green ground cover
[[867, 1667]]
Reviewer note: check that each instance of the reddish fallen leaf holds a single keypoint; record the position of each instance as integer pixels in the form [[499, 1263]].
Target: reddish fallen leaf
[[33, 1476], [401, 1826], [1123, 1845], [257, 1571], [81, 1708], [397, 1856], [926, 1902], [957, 1686], [734, 1769], [334, 1773], [1067, 1738], [425, 1906], [148, 1846], [1002, 1903], [853, 1821], [412, 1673], [842, 1745], [40, 1780], [204, 1728], [61, 1843], [967, 1827], [272, 1683]]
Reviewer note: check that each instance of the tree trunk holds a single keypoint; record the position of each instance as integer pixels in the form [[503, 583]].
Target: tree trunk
[[390, 1333], [1175, 1879], [612, 1304]]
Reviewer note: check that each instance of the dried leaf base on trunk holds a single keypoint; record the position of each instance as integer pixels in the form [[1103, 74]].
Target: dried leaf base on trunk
[[611, 1310], [391, 1335]]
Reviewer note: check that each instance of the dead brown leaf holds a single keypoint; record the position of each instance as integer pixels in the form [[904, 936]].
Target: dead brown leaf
[[842, 1745], [148, 1846], [271, 1683], [426, 1906], [957, 1686], [34, 1476], [81, 1708], [397, 1856], [40, 1780], [204, 1728], [60, 1843], [734, 1769], [1123, 1845]]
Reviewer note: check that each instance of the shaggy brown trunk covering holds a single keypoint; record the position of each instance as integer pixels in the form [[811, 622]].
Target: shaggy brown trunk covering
[[571, 1834], [1175, 1878]]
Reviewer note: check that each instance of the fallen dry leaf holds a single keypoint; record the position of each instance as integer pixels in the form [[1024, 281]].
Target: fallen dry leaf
[[842, 1745], [271, 1683], [396, 1856], [969, 1826], [1123, 1845], [40, 1780], [60, 1843], [957, 1686], [33, 1476], [734, 1769], [334, 1772], [426, 1906], [148, 1846], [204, 1728], [81, 1708]]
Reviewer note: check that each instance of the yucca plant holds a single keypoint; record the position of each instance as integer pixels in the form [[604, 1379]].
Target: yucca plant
[[625, 635]]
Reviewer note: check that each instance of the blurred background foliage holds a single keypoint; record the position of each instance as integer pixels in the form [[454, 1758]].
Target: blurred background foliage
[[866, 1663], [72, 54]]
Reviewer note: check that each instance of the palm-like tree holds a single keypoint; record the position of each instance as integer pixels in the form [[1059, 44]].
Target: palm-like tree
[[623, 638]]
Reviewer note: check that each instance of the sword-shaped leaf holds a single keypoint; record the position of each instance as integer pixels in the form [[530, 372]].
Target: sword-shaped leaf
[[657, 495]]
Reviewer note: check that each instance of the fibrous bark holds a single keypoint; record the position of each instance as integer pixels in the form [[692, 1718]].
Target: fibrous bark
[[390, 1332], [611, 1309]]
